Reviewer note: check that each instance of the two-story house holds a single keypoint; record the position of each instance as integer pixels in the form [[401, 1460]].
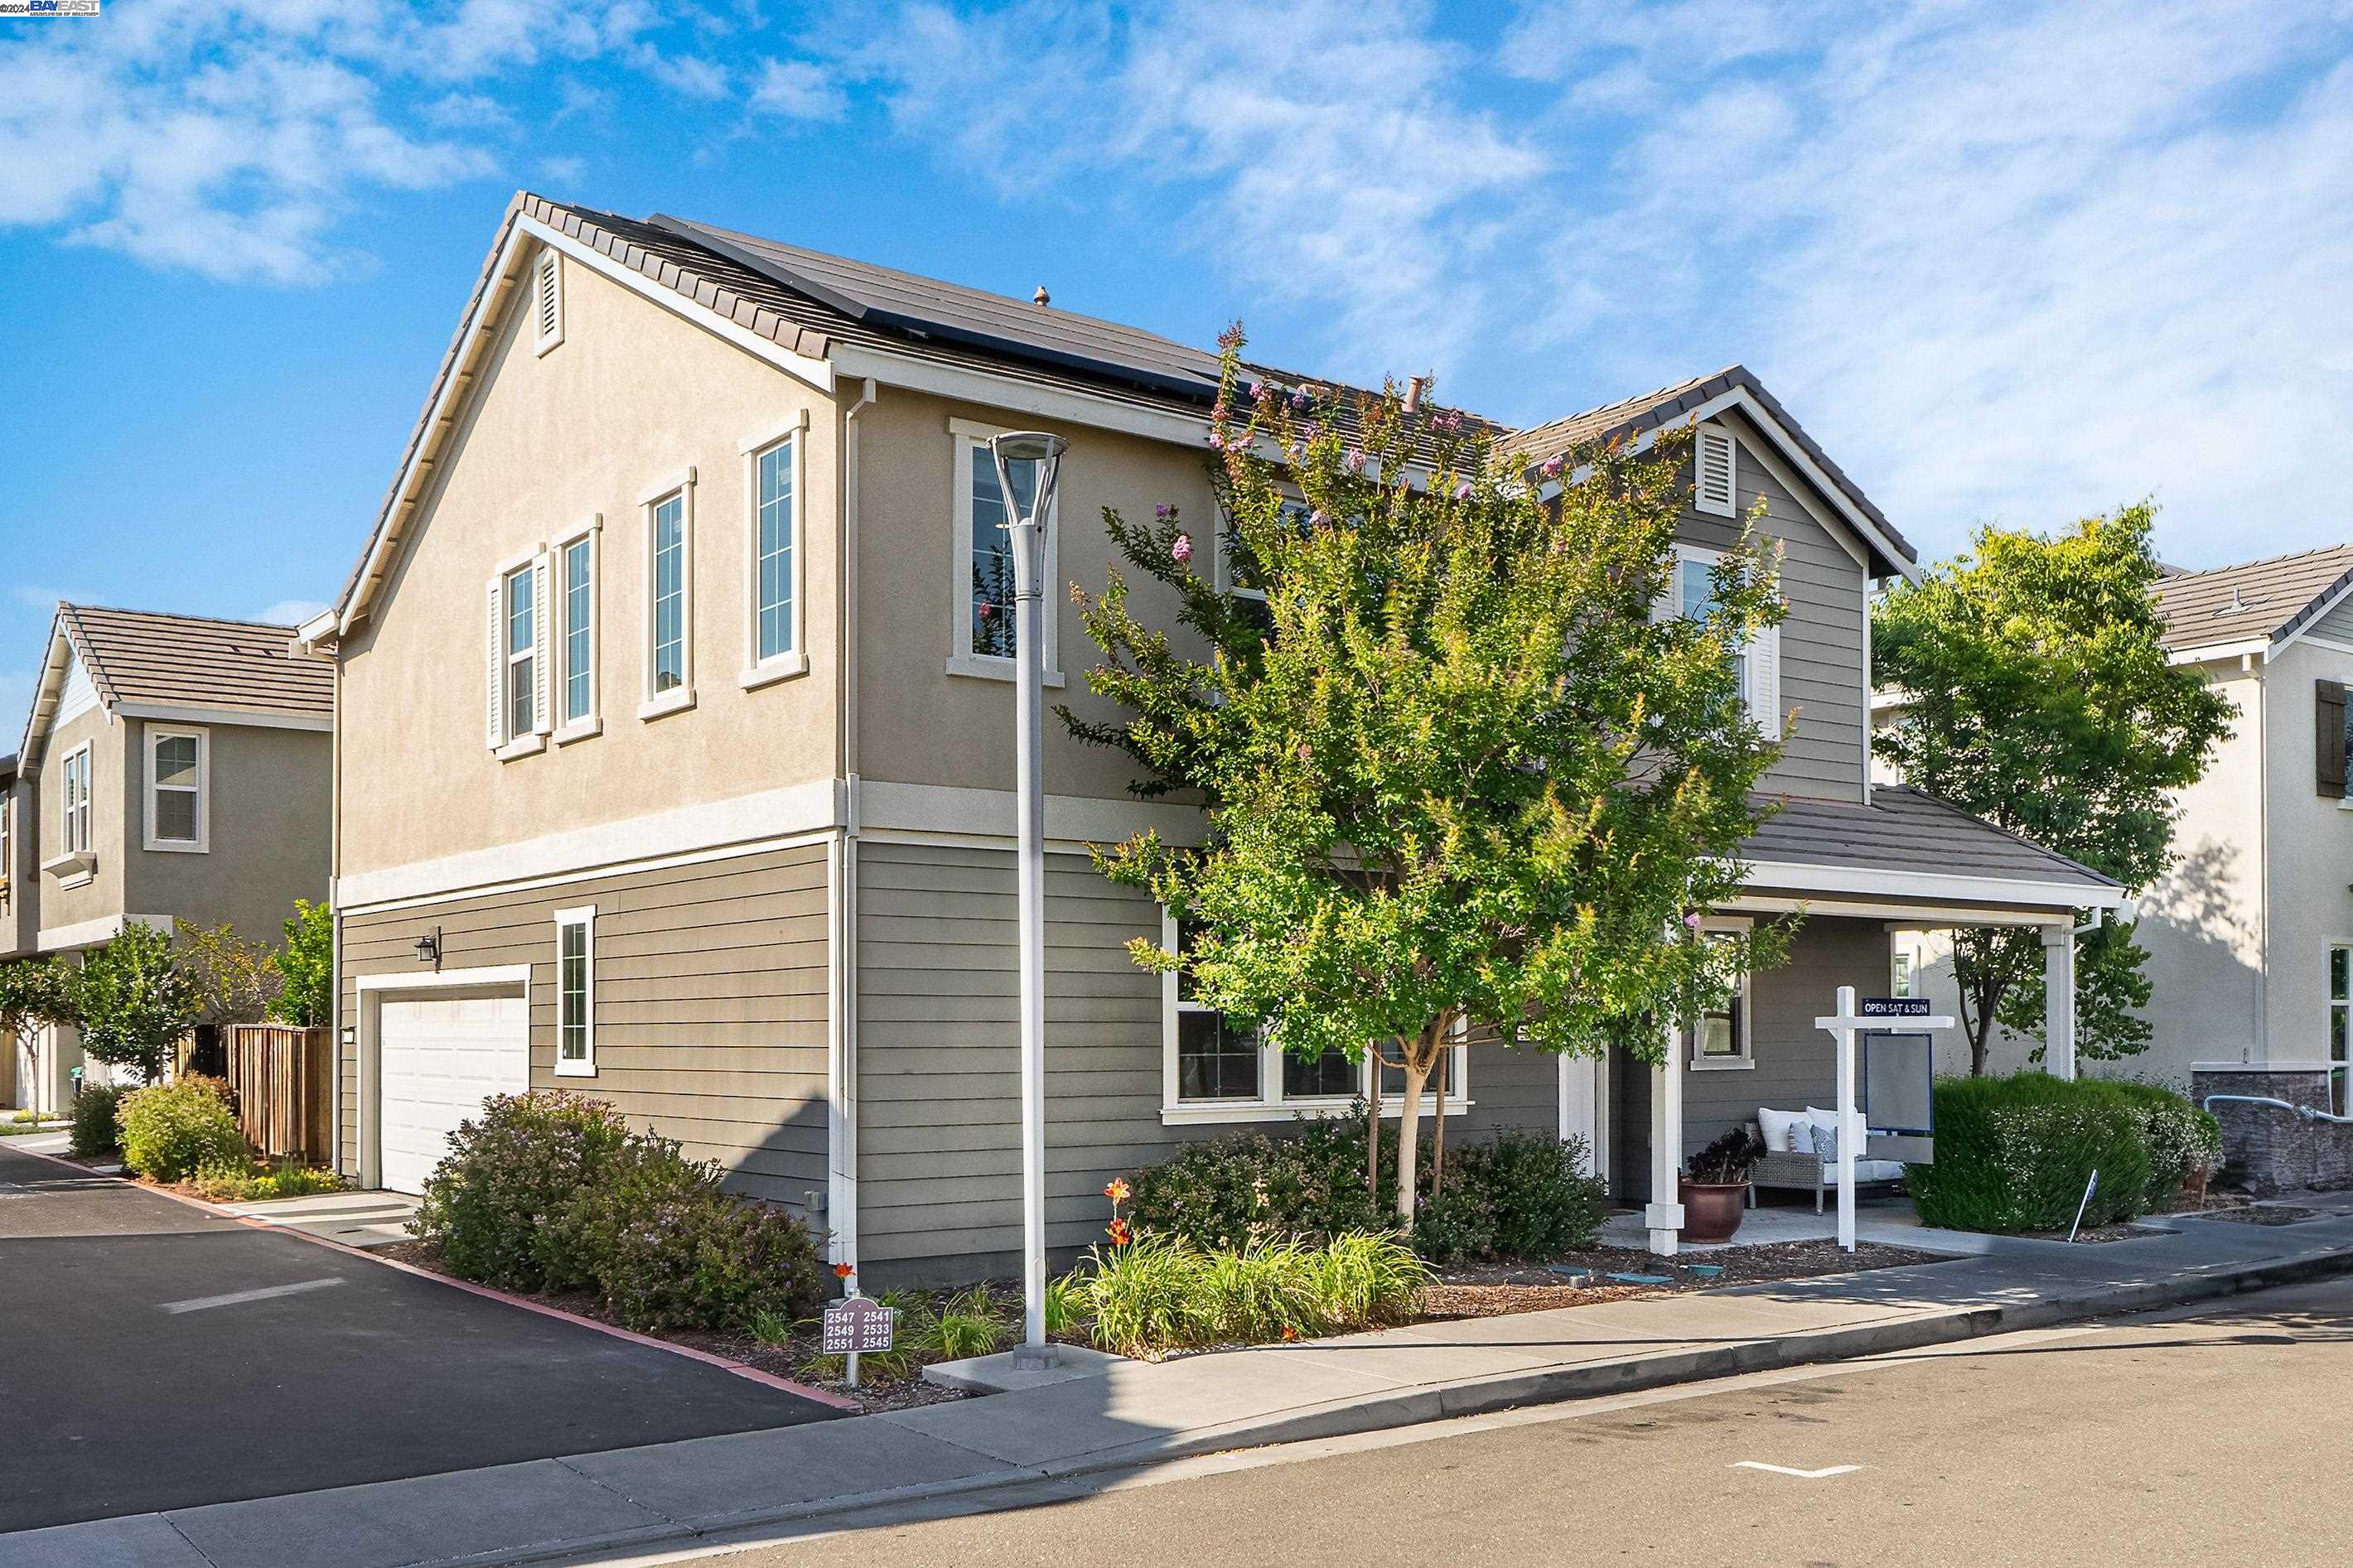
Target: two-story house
[[675, 759], [2250, 936], [174, 768]]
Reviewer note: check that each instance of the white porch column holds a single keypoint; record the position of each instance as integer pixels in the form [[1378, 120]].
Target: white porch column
[[1665, 1214], [2058, 1000], [1579, 1082]]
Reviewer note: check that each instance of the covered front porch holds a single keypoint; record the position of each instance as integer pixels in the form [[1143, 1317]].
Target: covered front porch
[[1851, 877]]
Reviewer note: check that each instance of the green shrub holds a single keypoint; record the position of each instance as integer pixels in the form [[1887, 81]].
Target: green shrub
[[504, 1205], [25, 1117], [95, 1132], [2013, 1155], [169, 1130], [2180, 1137], [1517, 1194], [1161, 1293], [711, 1261]]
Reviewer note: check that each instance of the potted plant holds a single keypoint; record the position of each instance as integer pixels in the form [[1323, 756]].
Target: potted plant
[[1714, 1189]]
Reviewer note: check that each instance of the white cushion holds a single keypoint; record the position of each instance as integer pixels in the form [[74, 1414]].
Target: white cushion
[[1820, 1118], [1777, 1126], [1867, 1171]]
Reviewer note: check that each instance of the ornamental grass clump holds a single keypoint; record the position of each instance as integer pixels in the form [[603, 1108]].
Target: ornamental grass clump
[[2015, 1155], [1161, 1293]]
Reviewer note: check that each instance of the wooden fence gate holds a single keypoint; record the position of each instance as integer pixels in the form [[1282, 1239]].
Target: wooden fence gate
[[281, 1077]]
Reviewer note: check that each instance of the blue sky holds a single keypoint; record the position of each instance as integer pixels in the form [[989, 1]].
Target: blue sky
[[2011, 262]]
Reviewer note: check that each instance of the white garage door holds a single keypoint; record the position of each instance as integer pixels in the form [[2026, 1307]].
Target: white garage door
[[439, 1058]]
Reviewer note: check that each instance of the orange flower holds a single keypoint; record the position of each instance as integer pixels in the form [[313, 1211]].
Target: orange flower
[[1120, 1233], [1118, 1191], [844, 1270]]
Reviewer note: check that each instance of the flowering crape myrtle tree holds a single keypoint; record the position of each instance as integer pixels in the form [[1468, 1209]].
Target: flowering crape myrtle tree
[[1456, 771]]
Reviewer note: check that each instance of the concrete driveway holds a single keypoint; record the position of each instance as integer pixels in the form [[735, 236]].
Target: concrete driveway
[[154, 1356]]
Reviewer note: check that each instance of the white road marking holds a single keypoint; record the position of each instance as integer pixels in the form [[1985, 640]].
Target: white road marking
[[236, 1297], [1801, 1475]]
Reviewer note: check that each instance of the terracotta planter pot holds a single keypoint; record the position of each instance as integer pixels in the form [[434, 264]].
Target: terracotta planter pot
[[1712, 1210]]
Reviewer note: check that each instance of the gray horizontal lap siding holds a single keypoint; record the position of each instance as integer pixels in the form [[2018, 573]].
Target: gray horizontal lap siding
[[1796, 1065], [1821, 636], [939, 1074], [710, 995]]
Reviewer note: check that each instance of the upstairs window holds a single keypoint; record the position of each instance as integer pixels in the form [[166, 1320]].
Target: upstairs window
[[519, 702], [1755, 659], [669, 647], [73, 791], [773, 558], [982, 637], [176, 786], [575, 578]]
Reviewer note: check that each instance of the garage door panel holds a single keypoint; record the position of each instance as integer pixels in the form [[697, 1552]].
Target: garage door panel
[[439, 1058]]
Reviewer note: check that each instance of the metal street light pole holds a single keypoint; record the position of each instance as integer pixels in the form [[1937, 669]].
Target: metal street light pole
[[1043, 454]]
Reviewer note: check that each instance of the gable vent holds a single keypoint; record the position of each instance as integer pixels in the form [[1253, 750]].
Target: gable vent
[[1715, 471], [547, 299]]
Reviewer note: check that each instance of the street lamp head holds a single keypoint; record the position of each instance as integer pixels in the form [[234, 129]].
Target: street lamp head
[[1043, 451]]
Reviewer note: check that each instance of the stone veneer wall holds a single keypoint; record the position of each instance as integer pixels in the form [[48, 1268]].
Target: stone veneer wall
[[2275, 1151]]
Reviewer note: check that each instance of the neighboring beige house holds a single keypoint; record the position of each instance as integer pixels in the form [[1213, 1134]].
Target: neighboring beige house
[[174, 768], [2249, 936], [674, 758]]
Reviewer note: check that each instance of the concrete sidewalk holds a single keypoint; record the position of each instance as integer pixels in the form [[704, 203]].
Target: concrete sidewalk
[[1133, 1414]]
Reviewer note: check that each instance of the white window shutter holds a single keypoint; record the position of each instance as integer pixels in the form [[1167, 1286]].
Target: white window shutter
[[1763, 663], [1715, 480], [494, 647], [543, 711]]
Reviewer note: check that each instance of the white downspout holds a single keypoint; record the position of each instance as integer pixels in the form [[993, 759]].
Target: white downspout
[[842, 1114]]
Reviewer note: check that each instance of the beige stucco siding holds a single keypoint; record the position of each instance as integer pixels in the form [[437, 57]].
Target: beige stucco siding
[[114, 801], [710, 996], [20, 903], [632, 399], [2309, 866], [1821, 636], [939, 1113], [267, 833]]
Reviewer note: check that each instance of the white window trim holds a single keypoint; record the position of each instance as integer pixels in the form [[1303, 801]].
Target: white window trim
[[546, 274], [584, 915], [75, 864], [681, 696], [1746, 1060], [757, 672], [592, 723], [964, 437], [509, 745], [2330, 1061], [1760, 667], [202, 843], [1270, 1105]]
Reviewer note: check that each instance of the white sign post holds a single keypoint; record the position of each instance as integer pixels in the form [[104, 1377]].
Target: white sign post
[[1850, 1020]]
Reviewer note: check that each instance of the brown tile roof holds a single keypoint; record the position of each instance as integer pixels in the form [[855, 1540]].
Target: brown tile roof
[[193, 661], [1904, 830], [2265, 599]]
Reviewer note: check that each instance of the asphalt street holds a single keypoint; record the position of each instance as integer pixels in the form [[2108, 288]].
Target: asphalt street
[[153, 1356], [2220, 1435]]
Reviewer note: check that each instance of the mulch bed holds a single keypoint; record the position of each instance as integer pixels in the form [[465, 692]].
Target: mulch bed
[[1495, 1290]]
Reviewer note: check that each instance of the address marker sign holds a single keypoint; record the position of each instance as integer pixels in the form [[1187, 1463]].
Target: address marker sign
[[1892, 1007], [859, 1326]]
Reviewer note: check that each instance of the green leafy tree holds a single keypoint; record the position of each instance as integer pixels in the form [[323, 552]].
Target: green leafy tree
[[34, 992], [1455, 771], [2038, 697], [134, 1001], [308, 968], [235, 981]]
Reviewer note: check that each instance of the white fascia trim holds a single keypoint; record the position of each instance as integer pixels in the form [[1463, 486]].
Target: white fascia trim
[[1212, 1112], [1803, 876], [2313, 617], [816, 372], [1835, 528], [1896, 917], [809, 807], [319, 629], [963, 813], [2258, 647], [45, 698], [89, 933], [173, 714], [434, 979], [1018, 395]]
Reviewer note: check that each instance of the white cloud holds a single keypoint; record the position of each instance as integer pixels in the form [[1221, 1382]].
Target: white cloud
[[2017, 266], [796, 90], [290, 612]]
